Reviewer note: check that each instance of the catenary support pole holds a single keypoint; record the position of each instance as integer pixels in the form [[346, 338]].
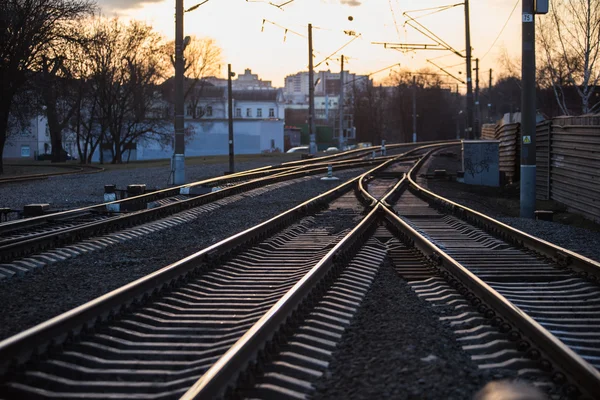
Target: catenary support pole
[[230, 116], [414, 108], [341, 107], [311, 94], [528, 111], [469, 127], [178, 161], [477, 123], [490, 99]]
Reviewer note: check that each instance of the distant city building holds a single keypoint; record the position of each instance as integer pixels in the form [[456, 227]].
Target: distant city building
[[327, 96], [327, 84], [247, 81], [258, 120]]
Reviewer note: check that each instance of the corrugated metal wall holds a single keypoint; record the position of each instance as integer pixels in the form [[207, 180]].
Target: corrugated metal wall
[[575, 164], [508, 135], [542, 160], [567, 158]]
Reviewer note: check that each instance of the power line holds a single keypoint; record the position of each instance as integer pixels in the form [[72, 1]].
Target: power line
[[502, 30], [441, 8], [373, 73], [394, 18], [332, 54], [286, 30], [280, 6], [455, 65], [437, 10]]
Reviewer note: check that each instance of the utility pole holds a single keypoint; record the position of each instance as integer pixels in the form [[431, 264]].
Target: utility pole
[[230, 112], [469, 128], [311, 94], [341, 106], [528, 111], [477, 124], [490, 99], [414, 104], [458, 114], [178, 161]]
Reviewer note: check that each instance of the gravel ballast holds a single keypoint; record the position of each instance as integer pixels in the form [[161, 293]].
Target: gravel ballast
[[70, 191], [579, 240], [38, 296], [397, 348]]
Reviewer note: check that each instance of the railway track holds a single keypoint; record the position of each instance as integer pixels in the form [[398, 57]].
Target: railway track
[[28, 244], [22, 239], [258, 315], [70, 170], [494, 329], [175, 331]]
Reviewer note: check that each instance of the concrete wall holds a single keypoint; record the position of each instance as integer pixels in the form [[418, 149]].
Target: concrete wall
[[212, 138]]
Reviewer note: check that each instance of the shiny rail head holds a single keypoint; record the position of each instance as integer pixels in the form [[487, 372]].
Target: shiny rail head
[[559, 254]]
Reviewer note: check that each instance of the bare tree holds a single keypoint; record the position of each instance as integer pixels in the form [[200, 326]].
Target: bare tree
[[59, 94], [570, 41], [125, 66], [202, 58], [27, 29]]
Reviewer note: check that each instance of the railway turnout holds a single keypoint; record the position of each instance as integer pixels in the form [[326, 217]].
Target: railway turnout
[[259, 314]]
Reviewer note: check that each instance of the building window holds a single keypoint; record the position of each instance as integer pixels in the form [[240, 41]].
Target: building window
[[248, 112], [208, 111], [271, 112], [238, 113], [189, 111], [259, 112], [25, 151]]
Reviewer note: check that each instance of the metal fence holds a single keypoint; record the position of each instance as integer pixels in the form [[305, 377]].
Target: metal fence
[[575, 164], [508, 135], [567, 158], [542, 160]]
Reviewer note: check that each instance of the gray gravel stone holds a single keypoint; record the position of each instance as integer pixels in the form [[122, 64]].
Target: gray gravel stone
[[397, 348], [36, 297], [70, 191]]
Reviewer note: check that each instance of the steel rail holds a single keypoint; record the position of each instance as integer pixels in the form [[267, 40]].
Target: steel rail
[[365, 150], [227, 369], [176, 190], [586, 376], [364, 193], [68, 235], [38, 339], [74, 170], [559, 254], [156, 195], [164, 193]]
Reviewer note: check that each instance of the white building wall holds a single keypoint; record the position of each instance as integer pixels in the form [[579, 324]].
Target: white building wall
[[212, 138], [255, 105], [35, 140]]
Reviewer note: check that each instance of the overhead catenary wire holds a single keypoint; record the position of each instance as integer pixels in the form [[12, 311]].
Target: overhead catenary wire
[[341, 48], [395, 22], [282, 27], [501, 30], [373, 73], [437, 10]]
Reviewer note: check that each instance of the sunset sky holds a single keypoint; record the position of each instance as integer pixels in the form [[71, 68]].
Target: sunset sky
[[236, 25]]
